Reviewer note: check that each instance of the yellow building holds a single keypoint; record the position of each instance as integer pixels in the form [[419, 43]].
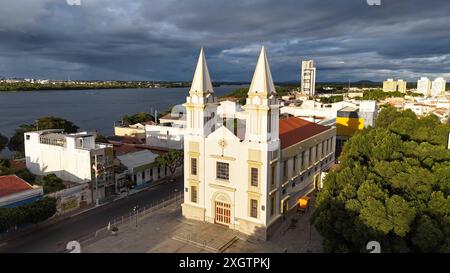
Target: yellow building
[[135, 130], [350, 120], [394, 86]]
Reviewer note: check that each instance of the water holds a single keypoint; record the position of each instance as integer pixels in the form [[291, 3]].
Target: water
[[91, 110]]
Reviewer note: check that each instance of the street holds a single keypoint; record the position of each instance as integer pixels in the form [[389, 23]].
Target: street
[[55, 237]]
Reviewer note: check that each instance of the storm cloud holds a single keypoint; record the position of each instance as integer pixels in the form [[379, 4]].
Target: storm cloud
[[160, 39]]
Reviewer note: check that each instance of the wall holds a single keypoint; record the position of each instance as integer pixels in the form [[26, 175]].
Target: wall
[[68, 164], [164, 136]]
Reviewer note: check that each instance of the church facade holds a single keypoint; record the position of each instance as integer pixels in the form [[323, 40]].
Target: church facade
[[244, 167]]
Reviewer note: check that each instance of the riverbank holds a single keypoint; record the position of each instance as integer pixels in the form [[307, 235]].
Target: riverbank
[[27, 86]]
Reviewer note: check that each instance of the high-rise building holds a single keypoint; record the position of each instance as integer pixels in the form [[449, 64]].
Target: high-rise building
[[308, 78], [438, 87], [424, 86], [394, 86]]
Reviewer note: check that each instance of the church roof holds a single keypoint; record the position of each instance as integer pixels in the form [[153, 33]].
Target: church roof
[[201, 84], [262, 78], [294, 130]]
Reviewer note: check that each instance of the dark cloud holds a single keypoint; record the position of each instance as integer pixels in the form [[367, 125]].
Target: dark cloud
[[160, 39]]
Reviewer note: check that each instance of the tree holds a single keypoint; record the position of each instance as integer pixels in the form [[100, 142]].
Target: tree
[[26, 175], [16, 143], [171, 160], [27, 214], [101, 138], [51, 183], [392, 186], [3, 142], [137, 118]]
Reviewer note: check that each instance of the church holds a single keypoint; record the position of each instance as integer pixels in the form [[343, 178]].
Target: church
[[245, 167]]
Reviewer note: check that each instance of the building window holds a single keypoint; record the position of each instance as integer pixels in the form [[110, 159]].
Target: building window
[[310, 156], [294, 165], [317, 153], [28, 137], [269, 122], [193, 194], [253, 208], [285, 170], [254, 177], [302, 162], [222, 170], [272, 179], [194, 166], [272, 205]]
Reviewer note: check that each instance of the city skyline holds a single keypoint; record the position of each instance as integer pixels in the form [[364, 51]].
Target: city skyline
[[112, 40]]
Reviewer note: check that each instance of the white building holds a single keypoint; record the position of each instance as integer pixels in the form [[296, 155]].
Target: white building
[[166, 137], [424, 86], [71, 157], [438, 87], [247, 177], [308, 78], [142, 168]]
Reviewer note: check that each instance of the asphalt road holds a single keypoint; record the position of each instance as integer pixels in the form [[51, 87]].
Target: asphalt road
[[54, 237]]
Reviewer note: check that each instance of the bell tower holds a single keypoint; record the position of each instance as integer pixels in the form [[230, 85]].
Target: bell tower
[[201, 108], [262, 105]]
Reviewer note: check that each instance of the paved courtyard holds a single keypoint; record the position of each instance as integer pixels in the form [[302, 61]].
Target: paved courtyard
[[166, 231]]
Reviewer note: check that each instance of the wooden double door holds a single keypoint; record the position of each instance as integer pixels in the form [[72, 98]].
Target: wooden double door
[[223, 213]]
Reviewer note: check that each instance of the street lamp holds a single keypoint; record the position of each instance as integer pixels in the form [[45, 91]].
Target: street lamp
[[135, 210]]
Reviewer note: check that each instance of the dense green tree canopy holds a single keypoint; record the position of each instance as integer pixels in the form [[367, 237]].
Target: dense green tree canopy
[[392, 185], [16, 141]]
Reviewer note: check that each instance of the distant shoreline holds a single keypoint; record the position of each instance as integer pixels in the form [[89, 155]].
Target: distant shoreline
[[27, 87]]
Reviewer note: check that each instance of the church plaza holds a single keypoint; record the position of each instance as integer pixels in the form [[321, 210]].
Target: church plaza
[[160, 232]]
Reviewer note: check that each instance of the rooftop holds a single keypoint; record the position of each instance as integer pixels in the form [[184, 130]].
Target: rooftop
[[136, 159], [294, 130], [11, 184]]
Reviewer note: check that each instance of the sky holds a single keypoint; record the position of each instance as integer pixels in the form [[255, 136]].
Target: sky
[[161, 39]]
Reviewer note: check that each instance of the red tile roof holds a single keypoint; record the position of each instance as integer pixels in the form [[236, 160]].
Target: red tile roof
[[294, 130], [124, 149], [10, 184]]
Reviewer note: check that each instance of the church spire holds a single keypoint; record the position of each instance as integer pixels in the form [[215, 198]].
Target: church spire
[[262, 83], [201, 84]]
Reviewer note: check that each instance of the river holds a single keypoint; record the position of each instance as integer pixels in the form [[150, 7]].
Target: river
[[91, 110]]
